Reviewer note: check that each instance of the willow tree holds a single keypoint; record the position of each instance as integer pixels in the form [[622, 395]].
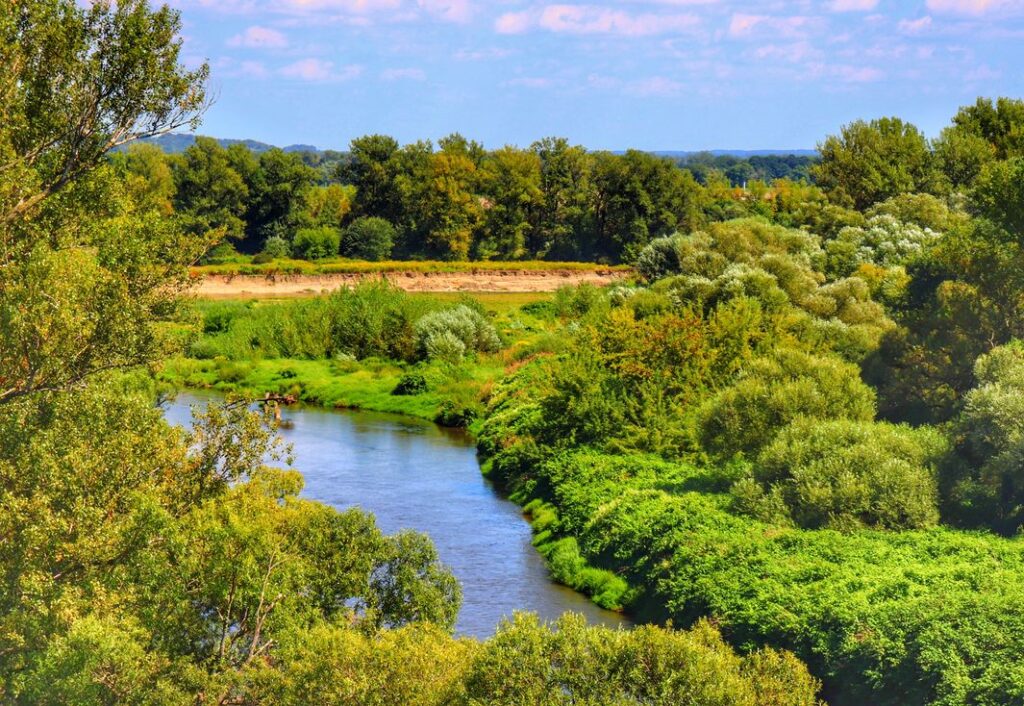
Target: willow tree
[[83, 271]]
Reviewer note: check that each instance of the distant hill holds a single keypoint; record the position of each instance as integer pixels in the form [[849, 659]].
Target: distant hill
[[175, 143], [742, 154]]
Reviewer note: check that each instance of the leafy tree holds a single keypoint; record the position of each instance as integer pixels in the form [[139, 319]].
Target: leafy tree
[[83, 270], [149, 179], [510, 180], [276, 248], [871, 162], [327, 205], [1000, 123], [639, 197], [368, 238], [210, 195], [448, 212], [564, 224], [988, 488], [277, 195], [79, 82], [999, 195], [772, 392], [372, 168], [883, 241], [317, 243], [846, 475]]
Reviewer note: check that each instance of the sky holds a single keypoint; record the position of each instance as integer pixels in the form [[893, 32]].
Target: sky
[[645, 74]]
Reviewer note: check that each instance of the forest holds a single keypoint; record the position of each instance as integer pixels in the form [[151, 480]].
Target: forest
[[453, 201], [790, 444]]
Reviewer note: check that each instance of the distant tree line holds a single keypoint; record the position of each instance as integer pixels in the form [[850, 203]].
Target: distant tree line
[[454, 200]]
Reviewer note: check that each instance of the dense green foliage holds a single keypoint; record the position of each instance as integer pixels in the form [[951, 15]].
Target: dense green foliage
[[708, 444], [149, 565], [799, 429]]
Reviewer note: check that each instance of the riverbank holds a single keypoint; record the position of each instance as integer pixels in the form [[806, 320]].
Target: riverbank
[[217, 284]]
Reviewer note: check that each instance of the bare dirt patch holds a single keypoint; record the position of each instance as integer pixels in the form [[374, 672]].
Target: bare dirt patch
[[279, 285]]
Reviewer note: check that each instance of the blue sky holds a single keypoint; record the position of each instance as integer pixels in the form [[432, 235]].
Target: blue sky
[[650, 74]]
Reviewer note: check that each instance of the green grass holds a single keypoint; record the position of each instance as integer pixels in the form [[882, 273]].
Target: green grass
[[242, 266], [344, 384]]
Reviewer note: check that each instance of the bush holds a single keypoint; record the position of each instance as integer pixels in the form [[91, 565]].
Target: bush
[[773, 391], [571, 663], [988, 487], [448, 334], [317, 243], [276, 248], [660, 258], [847, 474], [410, 384], [368, 239]]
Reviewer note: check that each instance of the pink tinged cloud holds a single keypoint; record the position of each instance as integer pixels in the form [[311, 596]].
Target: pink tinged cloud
[[459, 11], [411, 74], [744, 25], [915, 26], [594, 19], [319, 70], [853, 5], [257, 37], [513, 23], [972, 7]]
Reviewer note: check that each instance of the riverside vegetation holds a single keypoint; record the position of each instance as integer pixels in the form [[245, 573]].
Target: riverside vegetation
[[142, 564], [797, 435]]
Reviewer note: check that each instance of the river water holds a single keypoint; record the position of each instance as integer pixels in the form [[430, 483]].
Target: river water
[[415, 475]]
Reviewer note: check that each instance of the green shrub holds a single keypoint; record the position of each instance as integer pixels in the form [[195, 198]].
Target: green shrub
[[772, 392], [847, 474], [276, 248], [368, 239], [316, 243], [448, 334], [410, 384]]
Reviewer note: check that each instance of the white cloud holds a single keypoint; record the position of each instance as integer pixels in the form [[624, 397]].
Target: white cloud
[[853, 5], [744, 25], [513, 23], [915, 26], [410, 74], [595, 19], [257, 37], [320, 71], [971, 7]]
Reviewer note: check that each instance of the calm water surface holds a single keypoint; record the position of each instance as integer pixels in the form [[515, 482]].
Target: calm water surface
[[416, 475]]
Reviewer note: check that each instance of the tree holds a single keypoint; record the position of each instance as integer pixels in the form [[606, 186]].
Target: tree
[[78, 83], [83, 270], [211, 196], [564, 223], [510, 182], [317, 243], [999, 123], [871, 162], [846, 475], [277, 196], [373, 169], [640, 197], [327, 205], [999, 195], [149, 179], [368, 239], [988, 488], [448, 212]]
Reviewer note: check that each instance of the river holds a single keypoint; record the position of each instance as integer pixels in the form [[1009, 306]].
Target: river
[[415, 475]]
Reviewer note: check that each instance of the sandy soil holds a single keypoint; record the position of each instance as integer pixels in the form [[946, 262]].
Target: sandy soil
[[242, 286]]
